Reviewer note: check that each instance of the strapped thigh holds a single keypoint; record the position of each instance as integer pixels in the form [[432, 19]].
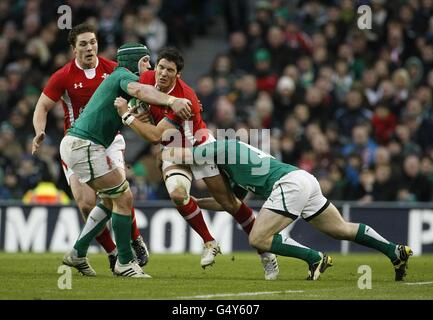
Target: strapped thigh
[[114, 192], [177, 177]]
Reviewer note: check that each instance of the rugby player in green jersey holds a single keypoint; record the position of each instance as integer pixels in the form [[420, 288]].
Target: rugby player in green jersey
[[290, 193], [84, 150]]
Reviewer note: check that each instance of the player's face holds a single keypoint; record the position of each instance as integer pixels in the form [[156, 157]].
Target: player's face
[[144, 64], [86, 49], [166, 75]]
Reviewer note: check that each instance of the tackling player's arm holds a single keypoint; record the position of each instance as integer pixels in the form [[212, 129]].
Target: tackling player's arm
[[144, 129], [211, 204], [151, 95]]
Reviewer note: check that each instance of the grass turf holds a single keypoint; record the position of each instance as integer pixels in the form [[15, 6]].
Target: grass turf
[[234, 276]]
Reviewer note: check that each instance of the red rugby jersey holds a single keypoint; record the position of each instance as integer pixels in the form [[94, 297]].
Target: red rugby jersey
[[74, 86], [194, 131]]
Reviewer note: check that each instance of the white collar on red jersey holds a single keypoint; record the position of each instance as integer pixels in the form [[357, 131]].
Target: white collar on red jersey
[[90, 73], [169, 91]]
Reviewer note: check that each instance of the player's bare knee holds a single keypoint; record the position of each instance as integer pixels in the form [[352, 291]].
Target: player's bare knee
[[124, 202], [179, 195]]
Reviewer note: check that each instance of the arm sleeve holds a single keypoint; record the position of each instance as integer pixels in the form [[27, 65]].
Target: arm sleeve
[[125, 79], [55, 86]]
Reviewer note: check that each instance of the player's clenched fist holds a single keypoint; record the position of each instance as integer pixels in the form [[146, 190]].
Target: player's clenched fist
[[121, 105], [181, 107]]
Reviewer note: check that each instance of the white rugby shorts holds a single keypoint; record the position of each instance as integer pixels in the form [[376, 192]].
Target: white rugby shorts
[[297, 194], [89, 160], [199, 171]]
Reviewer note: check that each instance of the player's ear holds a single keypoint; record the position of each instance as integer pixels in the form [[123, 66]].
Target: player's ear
[[178, 75]]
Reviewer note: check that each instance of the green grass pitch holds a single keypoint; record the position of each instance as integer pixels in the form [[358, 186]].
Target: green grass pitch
[[234, 276]]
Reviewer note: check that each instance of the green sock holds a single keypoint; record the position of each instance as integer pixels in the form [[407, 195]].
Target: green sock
[[122, 234], [95, 223], [291, 248], [368, 237]]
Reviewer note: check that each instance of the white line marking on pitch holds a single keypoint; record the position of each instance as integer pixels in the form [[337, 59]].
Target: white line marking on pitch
[[218, 295], [419, 283]]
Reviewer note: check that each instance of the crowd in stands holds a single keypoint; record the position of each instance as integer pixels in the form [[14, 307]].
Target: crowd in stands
[[353, 107]]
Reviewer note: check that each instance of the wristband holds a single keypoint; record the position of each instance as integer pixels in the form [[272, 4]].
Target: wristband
[[127, 118]]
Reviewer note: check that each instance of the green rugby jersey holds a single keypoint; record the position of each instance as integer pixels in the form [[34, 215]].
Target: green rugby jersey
[[247, 166], [99, 121]]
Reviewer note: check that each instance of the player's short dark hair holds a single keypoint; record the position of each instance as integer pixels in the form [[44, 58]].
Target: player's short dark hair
[[173, 55], [77, 30]]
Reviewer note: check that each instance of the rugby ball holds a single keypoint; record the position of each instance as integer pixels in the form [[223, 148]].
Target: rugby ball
[[137, 106]]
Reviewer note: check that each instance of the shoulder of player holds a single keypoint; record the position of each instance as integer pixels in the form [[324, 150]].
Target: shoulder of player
[[186, 89], [103, 62], [148, 77], [124, 73]]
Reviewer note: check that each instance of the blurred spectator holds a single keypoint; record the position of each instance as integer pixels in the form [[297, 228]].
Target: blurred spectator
[[427, 168], [266, 77], [239, 52], [284, 99], [235, 14], [280, 54], [255, 36], [222, 73], [384, 123], [353, 114], [363, 192], [11, 147], [225, 114], [384, 184], [403, 135], [413, 185], [298, 41], [370, 85], [263, 109], [319, 112], [415, 69], [207, 96], [361, 145], [151, 30], [306, 71], [342, 80]]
